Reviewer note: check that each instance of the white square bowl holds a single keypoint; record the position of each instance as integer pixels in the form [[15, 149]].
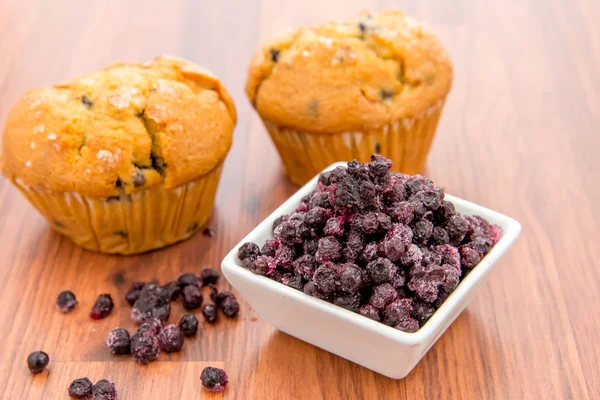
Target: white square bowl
[[372, 344]]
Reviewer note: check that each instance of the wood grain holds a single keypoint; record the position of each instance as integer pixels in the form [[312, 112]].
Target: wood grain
[[519, 134]]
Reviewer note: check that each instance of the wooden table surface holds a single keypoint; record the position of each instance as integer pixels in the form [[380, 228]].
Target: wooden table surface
[[520, 134]]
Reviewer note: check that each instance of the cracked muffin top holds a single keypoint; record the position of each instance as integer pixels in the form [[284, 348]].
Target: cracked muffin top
[[125, 128], [355, 75]]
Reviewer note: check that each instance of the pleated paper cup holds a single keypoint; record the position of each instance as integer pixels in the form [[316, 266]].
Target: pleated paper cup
[[405, 141], [128, 224]]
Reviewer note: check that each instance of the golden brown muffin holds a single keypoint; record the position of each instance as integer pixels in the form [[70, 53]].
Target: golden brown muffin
[[130, 139], [375, 79]]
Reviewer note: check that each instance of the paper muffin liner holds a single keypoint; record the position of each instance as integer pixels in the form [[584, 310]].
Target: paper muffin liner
[[128, 224], [406, 142]]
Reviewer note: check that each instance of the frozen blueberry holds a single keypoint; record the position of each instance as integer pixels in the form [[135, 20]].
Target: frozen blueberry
[[269, 248], [440, 236], [81, 388], [407, 324], [248, 250], [66, 301], [312, 290], [145, 347], [317, 217], [293, 281], [319, 200], [370, 312], [119, 341], [230, 306], [329, 250], [412, 256], [209, 312], [310, 246], [104, 388], [355, 243], [134, 293], [381, 270], [172, 290], [469, 258], [214, 379], [422, 311], [292, 231], [370, 252], [457, 227], [403, 212], [325, 278], [37, 361], [305, 266], [397, 310], [189, 325], [348, 301], [285, 255], [187, 279], [102, 307], [153, 302], [445, 211], [152, 325], [192, 297], [383, 295], [171, 339], [263, 265], [335, 226], [422, 231], [209, 276], [350, 277]]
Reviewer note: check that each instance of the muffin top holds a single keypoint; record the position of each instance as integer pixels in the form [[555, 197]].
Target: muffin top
[[355, 75], [125, 128]]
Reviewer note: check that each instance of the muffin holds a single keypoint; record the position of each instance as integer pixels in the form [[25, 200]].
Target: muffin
[[126, 159], [343, 91]]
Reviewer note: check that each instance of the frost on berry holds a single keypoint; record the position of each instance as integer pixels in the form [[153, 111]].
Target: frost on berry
[[329, 249], [355, 243], [383, 295], [270, 247], [335, 226], [325, 278], [214, 379], [370, 312], [381, 270], [102, 307], [350, 277], [248, 250], [263, 265], [396, 310]]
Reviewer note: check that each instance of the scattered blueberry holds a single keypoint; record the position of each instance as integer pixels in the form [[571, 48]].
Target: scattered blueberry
[[104, 388], [66, 301], [172, 290], [119, 341], [171, 339], [209, 312], [189, 325], [192, 297], [214, 379], [187, 279], [145, 347], [37, 362], [81, 388], [209, 276], [103, 306]]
